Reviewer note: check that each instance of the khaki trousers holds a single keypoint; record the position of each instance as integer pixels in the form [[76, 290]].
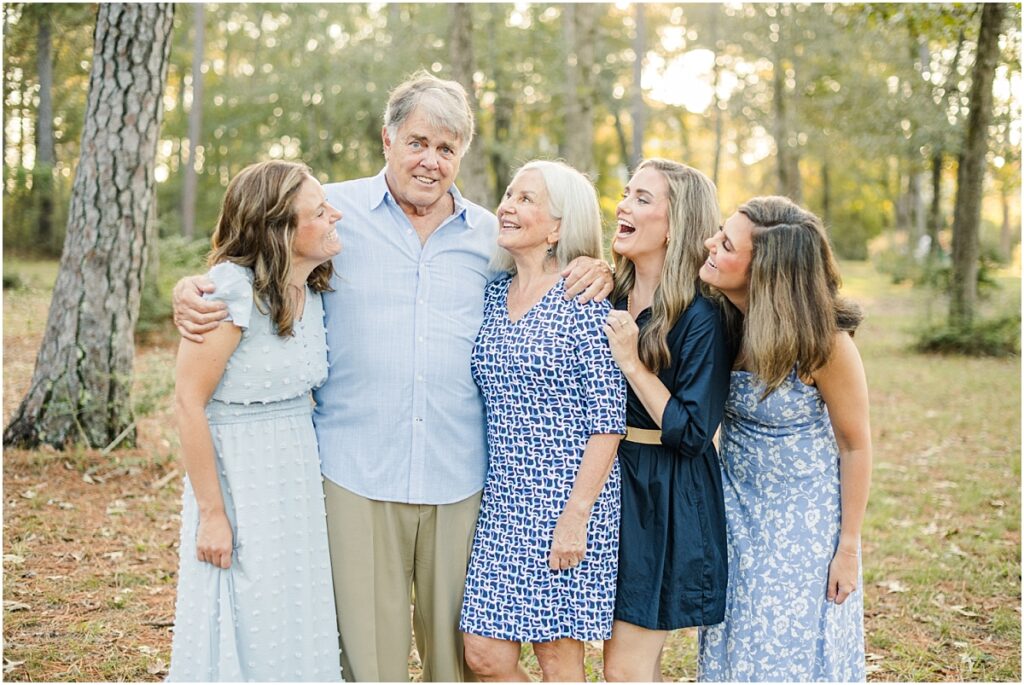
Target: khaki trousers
[[381, 552]]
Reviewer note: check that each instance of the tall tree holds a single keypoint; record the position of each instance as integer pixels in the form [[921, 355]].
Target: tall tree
[[80, 391], [639, 112], [42, 172], [460, 48], [195, 126], [971, 172], [579, 26]]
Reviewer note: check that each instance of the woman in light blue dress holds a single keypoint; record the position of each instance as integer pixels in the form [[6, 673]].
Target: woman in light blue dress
[[795, 453], [254, 586]]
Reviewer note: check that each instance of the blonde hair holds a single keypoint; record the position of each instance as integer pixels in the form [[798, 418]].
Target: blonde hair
[[256, 228], [693, 217], [573, 201], [793, 308]]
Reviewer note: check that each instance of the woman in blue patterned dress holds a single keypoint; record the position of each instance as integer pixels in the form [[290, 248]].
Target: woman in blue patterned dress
[[546, 547], [254, 584], [795, 452], [670, 342]]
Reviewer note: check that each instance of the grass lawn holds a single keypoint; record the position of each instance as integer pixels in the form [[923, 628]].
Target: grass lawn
[[90, 542]]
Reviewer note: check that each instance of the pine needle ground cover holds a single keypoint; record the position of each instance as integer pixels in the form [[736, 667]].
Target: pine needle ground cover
[[90, 540]]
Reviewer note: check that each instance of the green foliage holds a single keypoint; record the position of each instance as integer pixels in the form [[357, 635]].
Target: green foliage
[[992, 338], [176, 257]]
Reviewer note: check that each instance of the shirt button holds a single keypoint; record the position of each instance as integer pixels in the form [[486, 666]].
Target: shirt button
[[420, 338]]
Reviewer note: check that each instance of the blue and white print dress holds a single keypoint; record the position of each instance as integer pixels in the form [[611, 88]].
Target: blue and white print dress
[[549, 382], [780, 474], [270, 616]]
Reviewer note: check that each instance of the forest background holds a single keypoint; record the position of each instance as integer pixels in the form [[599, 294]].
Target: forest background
[[858, 111]]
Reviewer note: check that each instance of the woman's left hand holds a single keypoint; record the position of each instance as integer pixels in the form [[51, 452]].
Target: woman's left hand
[[842, 576], [623, 334], [569, 542]]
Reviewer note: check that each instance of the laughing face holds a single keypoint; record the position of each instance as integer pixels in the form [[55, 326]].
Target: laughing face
[[525, 223], [422, 163], [642, 215], [729, 253], [316, 236]]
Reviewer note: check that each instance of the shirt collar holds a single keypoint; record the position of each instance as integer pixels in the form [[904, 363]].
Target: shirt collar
[[379, 191]]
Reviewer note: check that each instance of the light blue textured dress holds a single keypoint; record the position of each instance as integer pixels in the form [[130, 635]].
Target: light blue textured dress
[[270, 616], [780, 474]]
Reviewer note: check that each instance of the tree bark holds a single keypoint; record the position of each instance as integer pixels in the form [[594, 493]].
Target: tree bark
[[639, 112], [786, 157], [195, 126], [579, 24], [42, 172], [971, 171], [473, 175], [935, 210], [80, 391]]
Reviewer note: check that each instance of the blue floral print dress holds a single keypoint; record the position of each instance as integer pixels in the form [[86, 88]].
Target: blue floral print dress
[[549, 382], [780, 472]]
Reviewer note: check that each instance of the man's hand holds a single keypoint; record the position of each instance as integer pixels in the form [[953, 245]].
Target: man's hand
[[589, 278], [192, 314]]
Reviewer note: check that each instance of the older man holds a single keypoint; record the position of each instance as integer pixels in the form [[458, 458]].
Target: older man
[[399, 421]]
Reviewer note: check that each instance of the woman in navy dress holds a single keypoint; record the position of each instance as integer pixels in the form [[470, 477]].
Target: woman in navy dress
[[671, 344], [796, 455], [546, 547]]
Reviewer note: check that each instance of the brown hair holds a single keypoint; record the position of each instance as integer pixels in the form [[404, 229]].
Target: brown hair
[[255, 229], [794, 309], [692, 219]]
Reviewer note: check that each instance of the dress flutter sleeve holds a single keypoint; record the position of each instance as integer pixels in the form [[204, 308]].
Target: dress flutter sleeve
[[700, 385], [601, 379], [233, 288]]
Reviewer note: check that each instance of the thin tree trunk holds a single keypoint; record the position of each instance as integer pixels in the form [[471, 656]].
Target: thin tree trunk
[[195, 126], [935, 210], [971, 171], [639, 112], [80, 391], [42, 172], [716, 71], [473, 176], [826, 192], [580, 32], [620, 134], [1006, 229]]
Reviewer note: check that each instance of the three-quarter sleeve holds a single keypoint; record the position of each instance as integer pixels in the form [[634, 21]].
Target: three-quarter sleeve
[[602, 380], [701, 383], [234, 288]]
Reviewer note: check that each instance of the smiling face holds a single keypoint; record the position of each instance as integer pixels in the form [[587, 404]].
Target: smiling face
[[316, 236], [643, 223], [728, 264], [525, 223], [422, 163]]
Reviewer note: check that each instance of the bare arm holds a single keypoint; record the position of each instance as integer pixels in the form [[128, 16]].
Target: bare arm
[[569, 542], [844, 388], [199, 369], [589, 278], [193, 315]]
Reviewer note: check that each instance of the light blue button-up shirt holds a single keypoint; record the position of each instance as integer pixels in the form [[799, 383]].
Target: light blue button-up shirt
[[400, 418]]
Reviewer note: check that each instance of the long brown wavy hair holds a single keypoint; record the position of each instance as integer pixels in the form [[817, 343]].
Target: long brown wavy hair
[[693, 218], [255, 229], [793, 309]]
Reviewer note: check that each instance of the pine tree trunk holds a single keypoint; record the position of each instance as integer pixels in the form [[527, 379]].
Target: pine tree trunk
[[42, 171], [473, 174], [639, 112], [935, 210], [80, 391], [579, 24], [195, 127], [971, 171]]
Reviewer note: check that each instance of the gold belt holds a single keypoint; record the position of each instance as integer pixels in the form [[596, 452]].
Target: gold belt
[[643, 436]]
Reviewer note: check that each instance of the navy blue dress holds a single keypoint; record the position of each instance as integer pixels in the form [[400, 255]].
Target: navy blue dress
[[672, 549], [549, 382]]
